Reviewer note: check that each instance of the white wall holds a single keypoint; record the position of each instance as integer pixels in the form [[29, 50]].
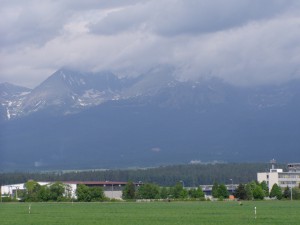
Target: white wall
[[113, 194], [271, 178]]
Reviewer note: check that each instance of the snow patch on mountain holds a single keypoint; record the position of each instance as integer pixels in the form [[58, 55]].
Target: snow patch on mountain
[[69, 92]]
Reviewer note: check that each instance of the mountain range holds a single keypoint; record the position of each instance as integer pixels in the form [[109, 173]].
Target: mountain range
[[99, 120]]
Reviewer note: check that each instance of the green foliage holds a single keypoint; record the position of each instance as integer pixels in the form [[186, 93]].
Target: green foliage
[[83, 193], [265, 187], [89, 194], [240, 192], [296, 193], [253, 185], [276, 192], [148, 191], [36, 193], [177, 191], [222, 191], [196, 193], [219, 191], [129, 191], [33, 188], [164, 193], [184, 194], [193, 175], [249, 192], [255, 190], [6, 199], [286, 193], [258, 192], [214, 190], [44, 194], [97, 194], [56, 190]]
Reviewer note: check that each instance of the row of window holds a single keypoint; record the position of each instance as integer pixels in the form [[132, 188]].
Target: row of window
[[295, 176], [288, 183]]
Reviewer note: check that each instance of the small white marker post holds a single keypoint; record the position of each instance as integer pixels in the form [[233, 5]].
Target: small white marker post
[[29, 208], [255, 212]]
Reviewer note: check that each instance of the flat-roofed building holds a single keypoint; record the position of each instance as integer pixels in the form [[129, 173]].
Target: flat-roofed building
[[290, 178], [112, 189]]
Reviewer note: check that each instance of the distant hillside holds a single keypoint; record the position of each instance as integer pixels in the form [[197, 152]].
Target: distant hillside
[[80, 120], [191, 175]]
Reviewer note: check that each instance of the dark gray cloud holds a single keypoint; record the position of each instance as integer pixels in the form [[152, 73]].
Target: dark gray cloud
[[175, 17], [244, 42]]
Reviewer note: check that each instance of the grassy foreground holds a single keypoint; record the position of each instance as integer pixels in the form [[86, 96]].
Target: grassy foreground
[[183, 213]]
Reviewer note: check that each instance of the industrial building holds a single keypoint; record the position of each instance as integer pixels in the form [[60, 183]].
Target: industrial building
[[291, 178], [111, 189]]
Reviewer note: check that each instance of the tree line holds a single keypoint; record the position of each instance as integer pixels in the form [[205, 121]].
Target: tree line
[[192, 174], [56, 192], [153, 191], [259, 191], [60, 192], [249, 191]]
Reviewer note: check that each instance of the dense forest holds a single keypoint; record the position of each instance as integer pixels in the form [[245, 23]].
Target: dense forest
[[192, 174]]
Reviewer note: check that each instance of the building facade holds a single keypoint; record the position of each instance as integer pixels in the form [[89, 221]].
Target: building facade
[[111, 189], [291, 178]]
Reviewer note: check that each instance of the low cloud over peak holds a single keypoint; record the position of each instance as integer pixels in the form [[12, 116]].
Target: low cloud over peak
[[243, 42]]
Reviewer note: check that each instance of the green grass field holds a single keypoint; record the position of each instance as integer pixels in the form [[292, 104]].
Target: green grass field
[[154, 213]]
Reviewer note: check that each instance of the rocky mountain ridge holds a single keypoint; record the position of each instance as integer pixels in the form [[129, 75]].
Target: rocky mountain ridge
[[85, 120]]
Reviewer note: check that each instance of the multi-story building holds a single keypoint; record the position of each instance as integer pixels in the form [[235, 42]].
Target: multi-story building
[[291, 178]]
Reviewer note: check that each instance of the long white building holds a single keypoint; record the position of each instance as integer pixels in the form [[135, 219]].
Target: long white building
[[291, 178], [111, 189]]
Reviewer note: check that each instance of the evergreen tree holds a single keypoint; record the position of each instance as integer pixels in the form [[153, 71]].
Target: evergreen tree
[[214, 190], [240, 192], [276, 192], [265, 187], [249, 192], [129, 191], [287, 193], [200, 193], [222, 191]]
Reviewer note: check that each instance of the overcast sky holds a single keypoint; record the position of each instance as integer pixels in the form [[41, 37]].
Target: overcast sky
[[245, 42]]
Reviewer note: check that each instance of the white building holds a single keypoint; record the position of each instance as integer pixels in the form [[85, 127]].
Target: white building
[[282, 179], [111, 189], [12, 189]]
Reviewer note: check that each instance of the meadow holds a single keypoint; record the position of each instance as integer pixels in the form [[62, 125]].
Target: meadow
[[151, 213]]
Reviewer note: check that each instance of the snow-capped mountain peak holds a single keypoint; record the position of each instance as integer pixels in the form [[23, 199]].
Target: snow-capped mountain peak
[[70, 91]]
